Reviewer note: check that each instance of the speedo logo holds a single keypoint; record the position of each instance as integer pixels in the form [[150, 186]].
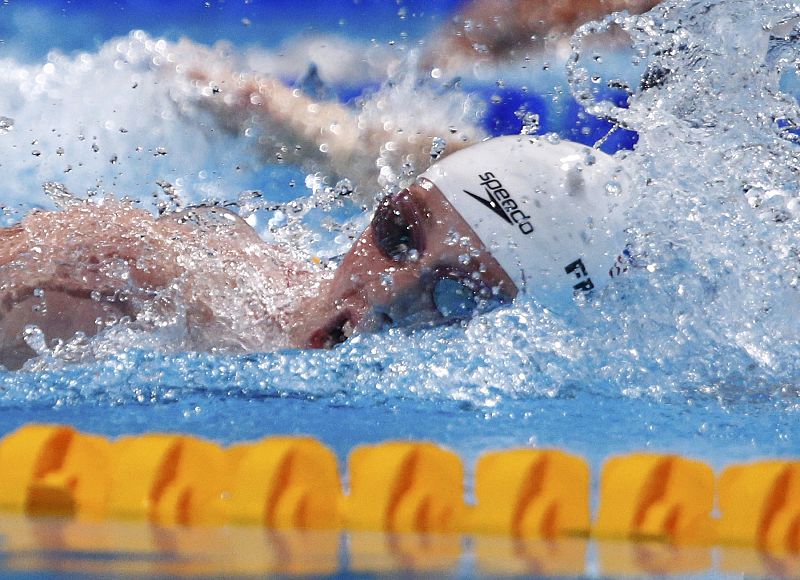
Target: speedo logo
[[500, 202]]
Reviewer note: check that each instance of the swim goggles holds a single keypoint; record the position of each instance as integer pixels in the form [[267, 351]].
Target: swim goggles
[[457, 292]]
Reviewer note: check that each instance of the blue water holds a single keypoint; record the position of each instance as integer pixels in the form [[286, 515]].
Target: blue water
[[31, 29], [235, 398], [696, 354]]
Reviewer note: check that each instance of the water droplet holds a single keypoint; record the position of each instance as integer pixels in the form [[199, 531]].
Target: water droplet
[[343, 188], [530, 124], [6, 124], [437, 147], [613, 189], [34, 338], [59, 195]]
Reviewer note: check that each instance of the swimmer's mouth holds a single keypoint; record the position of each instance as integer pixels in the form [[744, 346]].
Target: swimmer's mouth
[[344, 326], [335, 333]]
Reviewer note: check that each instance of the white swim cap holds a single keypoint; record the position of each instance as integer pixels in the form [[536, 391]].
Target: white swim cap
[[551, 214]]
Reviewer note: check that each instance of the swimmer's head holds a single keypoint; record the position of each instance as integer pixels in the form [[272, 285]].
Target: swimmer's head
[[417, 263], [551, 213], [507, 216]]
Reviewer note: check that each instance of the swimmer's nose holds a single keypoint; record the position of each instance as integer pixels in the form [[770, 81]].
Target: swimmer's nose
[[404, 296], [368, 311], [394, 296], [368, 293]]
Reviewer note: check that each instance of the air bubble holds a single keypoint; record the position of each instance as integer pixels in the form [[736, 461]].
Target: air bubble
[[613, 189]]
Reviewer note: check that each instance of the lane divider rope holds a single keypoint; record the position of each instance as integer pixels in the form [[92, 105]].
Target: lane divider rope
[[397, 486]]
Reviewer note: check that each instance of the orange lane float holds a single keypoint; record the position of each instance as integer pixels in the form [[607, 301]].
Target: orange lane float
[[404, 487], [760, 506], [284, 482], [531, 493], [54, 470], [653, 496]]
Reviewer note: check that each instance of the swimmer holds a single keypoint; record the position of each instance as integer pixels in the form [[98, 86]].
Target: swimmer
[[507, 216], [494, 30], [93, 266], [365, 145]]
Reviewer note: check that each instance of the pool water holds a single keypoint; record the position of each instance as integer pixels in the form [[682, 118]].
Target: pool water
[[129, 549], [695, 352]]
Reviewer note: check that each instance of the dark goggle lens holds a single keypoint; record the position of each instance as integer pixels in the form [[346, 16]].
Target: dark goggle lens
[[395, 227], [460, 297], [454, 299]]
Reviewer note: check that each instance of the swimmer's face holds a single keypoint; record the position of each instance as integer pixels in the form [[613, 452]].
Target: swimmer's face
[[418, 263]]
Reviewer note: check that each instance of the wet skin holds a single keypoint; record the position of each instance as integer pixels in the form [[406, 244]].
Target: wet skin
[[372, 289], [88, 267]]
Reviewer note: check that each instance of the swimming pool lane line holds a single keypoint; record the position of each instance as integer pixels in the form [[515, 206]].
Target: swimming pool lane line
[[292, 483]]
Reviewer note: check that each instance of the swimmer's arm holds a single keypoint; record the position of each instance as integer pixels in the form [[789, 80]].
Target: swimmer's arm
[[347, 142], [568, 15], [524, 17], [347, 138], [329, 128], [74, 271], [87, 266], [328, 125], [75, 250], [493, 29]]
